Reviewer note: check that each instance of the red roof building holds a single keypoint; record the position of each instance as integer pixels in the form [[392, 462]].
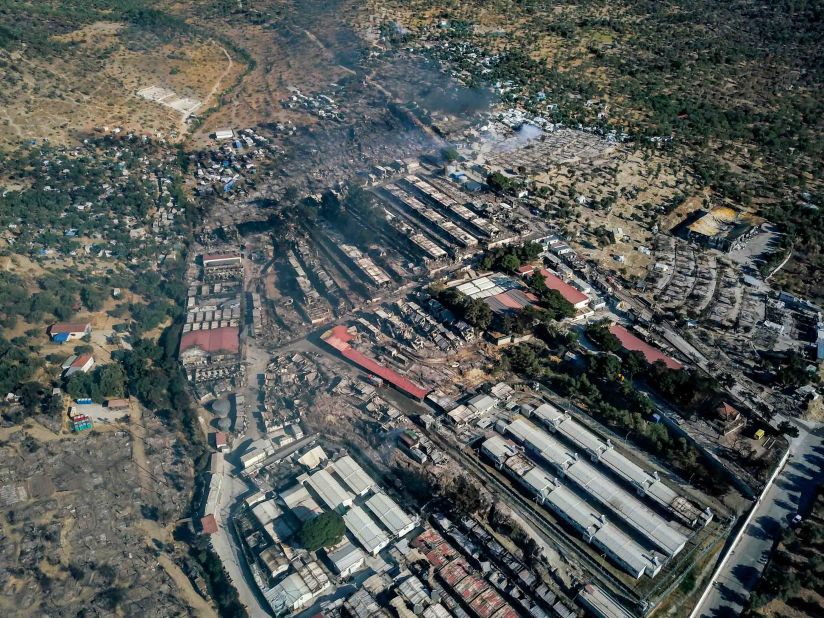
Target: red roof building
[[634, 344], [208, 524], [572, 295], [221, 443], [727, 413], [215, 340], [487, 603], [470, 587], [66, 331], [455, 571], [427, 538], [338, 338]]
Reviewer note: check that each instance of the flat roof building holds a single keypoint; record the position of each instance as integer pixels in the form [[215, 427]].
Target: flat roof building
[[329, 490], [222, 259], [353, 476], [365, 530], [390, 515], [599, 487]]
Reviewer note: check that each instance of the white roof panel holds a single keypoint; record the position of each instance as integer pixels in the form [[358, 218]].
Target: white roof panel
[[353, 476], [365, 530], [329, 490], [390, 514]]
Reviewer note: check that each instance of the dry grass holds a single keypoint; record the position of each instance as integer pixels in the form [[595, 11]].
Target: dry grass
[[95, 85]]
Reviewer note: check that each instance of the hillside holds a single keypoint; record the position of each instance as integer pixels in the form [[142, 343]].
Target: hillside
[[730, 90], [75, 68]]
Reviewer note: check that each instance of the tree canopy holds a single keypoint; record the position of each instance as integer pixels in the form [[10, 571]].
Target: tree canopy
[[325, 530]]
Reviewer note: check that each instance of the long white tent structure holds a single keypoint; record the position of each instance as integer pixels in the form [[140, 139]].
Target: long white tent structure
[[593, 525], [329, 490], [598, 486], [390, 515], [365, 530], [603, 452], [353, 476]]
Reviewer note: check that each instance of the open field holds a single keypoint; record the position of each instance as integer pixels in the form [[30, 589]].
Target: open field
[[94, 84]]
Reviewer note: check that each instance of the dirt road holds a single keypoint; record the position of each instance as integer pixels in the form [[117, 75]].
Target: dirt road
[[153, 529]]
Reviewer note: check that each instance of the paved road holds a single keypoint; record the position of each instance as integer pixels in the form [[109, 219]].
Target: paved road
[[225, 546], [791, 492]]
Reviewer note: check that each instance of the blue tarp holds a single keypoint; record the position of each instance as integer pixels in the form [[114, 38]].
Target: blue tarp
[[60, 337]]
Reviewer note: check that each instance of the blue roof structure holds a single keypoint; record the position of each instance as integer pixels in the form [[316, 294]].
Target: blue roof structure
[[60, 337]]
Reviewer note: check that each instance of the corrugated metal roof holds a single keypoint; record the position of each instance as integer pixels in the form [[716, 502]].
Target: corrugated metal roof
[[390, 514], [224, 339], [617, 463], [352, 475], [338, 337], [365, 530], [572, 295], [329, 490], [581, 472]]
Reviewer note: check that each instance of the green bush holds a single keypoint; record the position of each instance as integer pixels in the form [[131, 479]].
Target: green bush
[[325, 530]]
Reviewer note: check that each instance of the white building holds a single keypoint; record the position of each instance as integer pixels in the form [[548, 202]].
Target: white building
[[346, 559], [353, 476], [390, 515]]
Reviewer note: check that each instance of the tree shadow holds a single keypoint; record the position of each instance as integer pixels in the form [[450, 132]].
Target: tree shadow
[[746, 574], [766, 528]]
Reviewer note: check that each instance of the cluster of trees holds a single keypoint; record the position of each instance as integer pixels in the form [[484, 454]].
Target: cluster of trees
[[149, 374], [525, 359], [31, 23], [792, 370], [472, 310], [797, 565], [461, 496], [53, 201], [220, 587], [56, 296], [555, 305], [509, 258], [693, 390], [16, 365], [325, 530], [624, 409], [104, 382], [602, 388], [500, 183], [149, 316]]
